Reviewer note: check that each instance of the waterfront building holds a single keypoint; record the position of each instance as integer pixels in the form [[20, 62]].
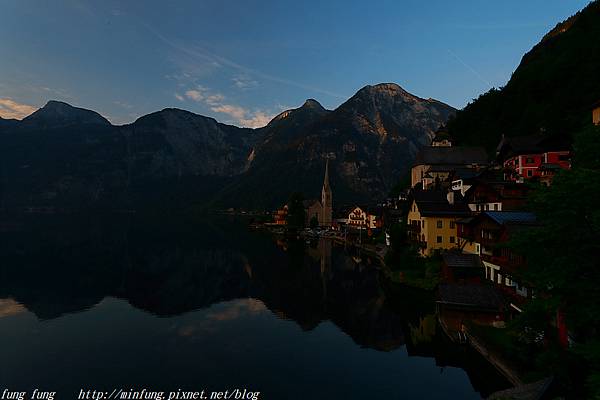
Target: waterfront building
[[596, 114], [360, 218]]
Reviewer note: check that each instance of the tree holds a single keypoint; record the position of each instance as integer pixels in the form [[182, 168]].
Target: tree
[[296, 215], [563, 262]]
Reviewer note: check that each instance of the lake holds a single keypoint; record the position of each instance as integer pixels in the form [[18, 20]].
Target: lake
[[165, 303]]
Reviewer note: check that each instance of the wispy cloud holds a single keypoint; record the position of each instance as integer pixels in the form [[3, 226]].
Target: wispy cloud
[[477, 74], [217, 103], [249, 119], [11, 109], [204, 57], [244, 82]]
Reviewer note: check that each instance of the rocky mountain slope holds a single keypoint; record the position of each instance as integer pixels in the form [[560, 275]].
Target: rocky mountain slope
[[65, 156], [370, 140]]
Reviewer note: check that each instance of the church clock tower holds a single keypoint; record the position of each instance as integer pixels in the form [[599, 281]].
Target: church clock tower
[[326, 200]]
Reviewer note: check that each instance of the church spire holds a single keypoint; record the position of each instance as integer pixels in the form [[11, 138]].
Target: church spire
[[326, 180], [326, 199]]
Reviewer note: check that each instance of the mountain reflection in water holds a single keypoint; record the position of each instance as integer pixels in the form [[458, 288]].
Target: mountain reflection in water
[[229, 303]]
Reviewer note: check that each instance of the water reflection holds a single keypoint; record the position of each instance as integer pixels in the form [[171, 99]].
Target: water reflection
[[170, 268]]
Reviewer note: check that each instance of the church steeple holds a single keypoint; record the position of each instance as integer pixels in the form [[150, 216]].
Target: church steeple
[[326, 199]]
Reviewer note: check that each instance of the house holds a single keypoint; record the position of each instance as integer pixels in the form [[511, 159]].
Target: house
[[440, 161], [596, 114], [432, 219], [489, 233], [534, 156], [360, 218], [483, 194]]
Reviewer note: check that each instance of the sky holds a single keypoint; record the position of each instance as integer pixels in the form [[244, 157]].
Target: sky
[[242, 62]]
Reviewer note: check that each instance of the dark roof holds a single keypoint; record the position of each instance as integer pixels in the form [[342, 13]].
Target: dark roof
[[460, 260], [435, 203], [466, 220], [458, 155], [470, 295], [511, 217], [532, 144]]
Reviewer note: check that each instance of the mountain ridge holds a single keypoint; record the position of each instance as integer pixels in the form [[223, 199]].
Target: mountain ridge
[[70, 156]]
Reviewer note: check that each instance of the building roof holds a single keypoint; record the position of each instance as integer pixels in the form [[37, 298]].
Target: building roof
[[482, 297], [435, 203], [512, 217], [458, 155], [532, 144], [461, 260]]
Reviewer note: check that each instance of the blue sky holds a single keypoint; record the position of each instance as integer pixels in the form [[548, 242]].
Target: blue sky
[[244, 61]]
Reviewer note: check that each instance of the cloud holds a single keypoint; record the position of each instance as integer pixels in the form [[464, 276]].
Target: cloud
[[9, 307], [244, 82], [216, 102], [204, 60], [195, 95], [11, 109], [244, 117]]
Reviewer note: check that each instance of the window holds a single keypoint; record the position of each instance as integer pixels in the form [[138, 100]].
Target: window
[[439, 223], [529, 160], [496, 207], [529, 173], [439, 239], [477, 249], [451, 239], [452, 224]]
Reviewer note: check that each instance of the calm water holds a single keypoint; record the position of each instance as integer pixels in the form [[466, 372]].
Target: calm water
[[103, 303]]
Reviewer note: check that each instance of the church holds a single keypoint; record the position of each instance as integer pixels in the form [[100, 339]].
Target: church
[[322, 210]]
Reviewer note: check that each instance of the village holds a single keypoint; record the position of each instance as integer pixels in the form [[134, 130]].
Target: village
[[460, 213]]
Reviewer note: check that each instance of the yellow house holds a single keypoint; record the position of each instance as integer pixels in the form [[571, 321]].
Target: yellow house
[[432, 220]]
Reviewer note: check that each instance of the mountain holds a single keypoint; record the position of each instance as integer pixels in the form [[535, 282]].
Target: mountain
[[64, 156], [370, 140], [552, 89], [175, 142], [56, 114]]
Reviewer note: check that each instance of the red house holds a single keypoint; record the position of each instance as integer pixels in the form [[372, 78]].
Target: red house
[[536, 156]]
